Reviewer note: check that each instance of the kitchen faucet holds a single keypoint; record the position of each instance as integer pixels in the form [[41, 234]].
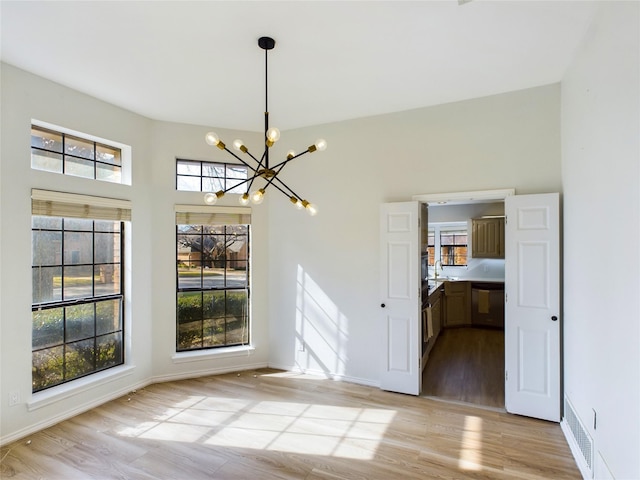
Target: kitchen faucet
[[435, 268]]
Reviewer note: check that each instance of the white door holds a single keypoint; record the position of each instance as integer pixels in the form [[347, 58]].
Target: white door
[[401, 297], [532, 309]]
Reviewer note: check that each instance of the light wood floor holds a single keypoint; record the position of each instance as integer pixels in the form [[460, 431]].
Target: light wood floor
[[467, 365], [269, 424]]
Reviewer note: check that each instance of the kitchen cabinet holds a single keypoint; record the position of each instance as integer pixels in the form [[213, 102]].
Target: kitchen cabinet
[[487, 237], [457, 305]]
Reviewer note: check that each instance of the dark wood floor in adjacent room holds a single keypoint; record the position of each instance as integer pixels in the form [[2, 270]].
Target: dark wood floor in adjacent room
[[467, 365], [270, 424]]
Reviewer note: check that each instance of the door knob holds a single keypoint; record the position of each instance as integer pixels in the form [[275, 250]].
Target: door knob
[[554, 318], [382, 305]]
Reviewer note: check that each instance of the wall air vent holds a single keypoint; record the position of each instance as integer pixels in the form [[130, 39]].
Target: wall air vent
[[581, 437]]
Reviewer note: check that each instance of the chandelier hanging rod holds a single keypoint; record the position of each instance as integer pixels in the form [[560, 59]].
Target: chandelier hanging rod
[[262, 169]]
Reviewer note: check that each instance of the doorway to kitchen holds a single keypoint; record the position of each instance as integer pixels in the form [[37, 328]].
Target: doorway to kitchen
[[466, 360]]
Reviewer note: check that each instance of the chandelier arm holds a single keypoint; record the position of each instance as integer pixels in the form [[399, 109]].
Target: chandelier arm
[[284, 162], [288, 195], [291, 192], [241, 160], [250, 179], [254, 158]]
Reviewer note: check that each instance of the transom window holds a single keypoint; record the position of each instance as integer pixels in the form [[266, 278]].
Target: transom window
[[77, 306], [197, 176], [212, 265], [58, 152]]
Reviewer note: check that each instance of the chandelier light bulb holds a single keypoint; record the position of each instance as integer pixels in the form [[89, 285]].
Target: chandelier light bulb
[[321, 144], [273, 134], [312, 209], [257, 197], [210, 198], [291, 154], [244, 199], [212, 139], [237, 144]]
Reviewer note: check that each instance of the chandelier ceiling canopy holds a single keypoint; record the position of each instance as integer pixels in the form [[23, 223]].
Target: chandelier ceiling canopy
[[262, 170]]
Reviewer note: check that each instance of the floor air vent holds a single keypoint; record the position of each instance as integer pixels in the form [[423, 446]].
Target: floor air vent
[[579, 433]]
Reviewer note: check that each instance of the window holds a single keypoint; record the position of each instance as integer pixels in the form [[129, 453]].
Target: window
[[212, 268], [195, 176], [77, 298], [453, 247], [58, 152], [431, 247]]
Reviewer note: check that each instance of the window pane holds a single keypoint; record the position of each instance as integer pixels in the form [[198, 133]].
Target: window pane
[[108, 318], [236, 172], [47, 367], [109, 173], [236, 186], [79, 322], [48, 328], [78, 282], [213, 304], [79, 359], [210, 184], [108, 155], [46, 248], [213, 277], [78, 147], [46, 139], [213, 170], [50, 223], [78, 248], [189, 315], [106, 226], [109, 350], [190, 274], [47, 161], [106, 280], [80, 224], [236, 273], [107, 247], [78, 167], [185, 167], [214, 332], [236, 304], [236, 317], [189, 184], [46, 283]]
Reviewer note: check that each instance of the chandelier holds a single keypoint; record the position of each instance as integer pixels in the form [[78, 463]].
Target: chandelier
[[261, 170]]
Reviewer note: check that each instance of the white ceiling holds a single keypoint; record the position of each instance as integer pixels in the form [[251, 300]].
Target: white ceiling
[[198, 62]]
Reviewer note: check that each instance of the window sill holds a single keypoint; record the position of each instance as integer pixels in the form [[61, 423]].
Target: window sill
[[60, 392], [200, 355]]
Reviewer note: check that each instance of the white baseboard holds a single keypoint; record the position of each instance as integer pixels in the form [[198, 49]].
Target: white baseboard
[[321, 373], [205, 372], [77, 410]]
